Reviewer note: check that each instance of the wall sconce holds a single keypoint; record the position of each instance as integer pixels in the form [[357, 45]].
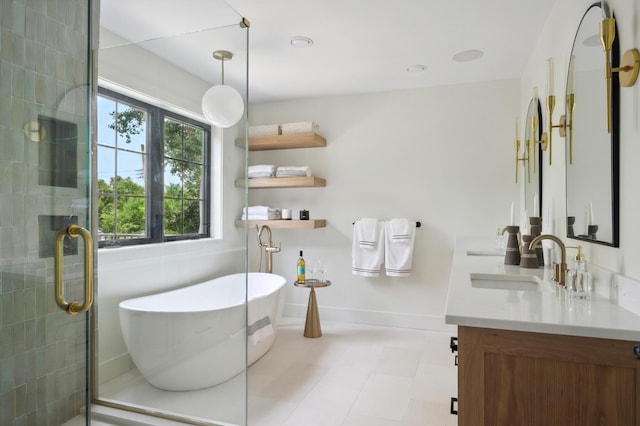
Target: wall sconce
[[629, 64], [571, 104], [544, 143], [525, 157], [222, 105], [551, 104], [534, 123]]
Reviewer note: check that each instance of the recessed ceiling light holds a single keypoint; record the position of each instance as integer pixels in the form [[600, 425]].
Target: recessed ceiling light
[[468, 55], [417, 68], [301, 42]]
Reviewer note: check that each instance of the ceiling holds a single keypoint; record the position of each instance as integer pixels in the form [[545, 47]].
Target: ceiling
[[360, 46]]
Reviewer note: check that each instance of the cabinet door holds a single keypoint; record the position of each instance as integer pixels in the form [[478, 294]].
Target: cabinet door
[[520, 378]]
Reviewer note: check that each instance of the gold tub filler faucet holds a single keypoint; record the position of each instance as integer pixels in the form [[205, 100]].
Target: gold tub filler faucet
[[559, 269], [269, 248]]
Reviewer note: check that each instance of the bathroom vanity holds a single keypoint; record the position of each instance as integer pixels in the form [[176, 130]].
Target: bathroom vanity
[[530, 355]]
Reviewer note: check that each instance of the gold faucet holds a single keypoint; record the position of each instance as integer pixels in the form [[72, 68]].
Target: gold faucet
[[268, 247], [559, 270]]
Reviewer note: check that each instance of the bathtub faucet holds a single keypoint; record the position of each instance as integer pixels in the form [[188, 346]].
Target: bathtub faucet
[[269, 248]]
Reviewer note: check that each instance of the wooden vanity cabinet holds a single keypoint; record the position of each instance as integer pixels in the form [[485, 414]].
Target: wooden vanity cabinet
[[523, 378]]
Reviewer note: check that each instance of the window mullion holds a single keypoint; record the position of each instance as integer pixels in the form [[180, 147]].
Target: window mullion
[[155, 179]]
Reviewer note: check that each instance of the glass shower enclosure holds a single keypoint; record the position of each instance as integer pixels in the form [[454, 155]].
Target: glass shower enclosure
[[141, 60]]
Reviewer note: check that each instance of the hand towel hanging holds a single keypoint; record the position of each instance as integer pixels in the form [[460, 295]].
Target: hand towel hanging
[[367, 248], [399, 239]]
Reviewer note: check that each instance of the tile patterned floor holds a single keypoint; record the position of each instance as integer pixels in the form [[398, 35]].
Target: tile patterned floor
[[354, 375]]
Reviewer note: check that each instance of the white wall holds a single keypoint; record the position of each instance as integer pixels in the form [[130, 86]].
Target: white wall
[[555, 41], [443, 156]]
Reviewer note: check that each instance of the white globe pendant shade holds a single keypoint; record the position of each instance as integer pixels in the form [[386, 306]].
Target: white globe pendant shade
[[222, 106]]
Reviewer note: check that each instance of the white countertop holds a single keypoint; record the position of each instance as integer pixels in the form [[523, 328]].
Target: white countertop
[[547, 309]]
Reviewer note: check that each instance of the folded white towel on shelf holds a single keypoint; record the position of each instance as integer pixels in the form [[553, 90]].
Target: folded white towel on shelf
[[366, 260], [261, 170], [288, 171], [398, 247], [262, 217], [258, 209], [260, 213], [256, 175]]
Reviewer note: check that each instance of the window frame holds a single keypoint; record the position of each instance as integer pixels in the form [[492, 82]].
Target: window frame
[[154, 188]]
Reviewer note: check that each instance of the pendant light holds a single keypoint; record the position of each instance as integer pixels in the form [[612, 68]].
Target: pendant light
[[222, 105]]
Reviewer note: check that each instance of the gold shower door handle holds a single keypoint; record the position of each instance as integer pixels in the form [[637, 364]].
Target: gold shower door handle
[[74, 308]]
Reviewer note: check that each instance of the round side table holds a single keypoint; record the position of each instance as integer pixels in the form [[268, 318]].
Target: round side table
[[312, 323]]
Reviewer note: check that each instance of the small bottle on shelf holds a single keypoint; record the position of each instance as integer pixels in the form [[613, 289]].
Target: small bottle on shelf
[[301, 269]]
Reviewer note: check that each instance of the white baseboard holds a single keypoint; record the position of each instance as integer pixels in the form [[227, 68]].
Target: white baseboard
[[360, 316], [114, 367]]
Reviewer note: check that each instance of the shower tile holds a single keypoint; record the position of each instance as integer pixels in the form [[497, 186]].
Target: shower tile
[[19, 18], [29, 85], [6, 341], [31, 367], [6, 375], [39, 59], [18, 338], [6, 49], [6, 300], [7, 407], [21, 399], [20, 370], [6, 180]]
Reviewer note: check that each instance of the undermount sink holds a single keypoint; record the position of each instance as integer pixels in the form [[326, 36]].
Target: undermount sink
[[505, 281]]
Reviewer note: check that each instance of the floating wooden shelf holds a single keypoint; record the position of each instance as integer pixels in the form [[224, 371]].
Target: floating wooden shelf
[[295, 140], [285, 224], [283, 182]]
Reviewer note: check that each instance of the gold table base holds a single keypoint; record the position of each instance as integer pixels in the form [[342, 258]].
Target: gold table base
[[312, 324], [312, 327]]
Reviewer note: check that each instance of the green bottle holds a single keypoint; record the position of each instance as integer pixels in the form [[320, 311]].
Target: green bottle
[[301, 269]]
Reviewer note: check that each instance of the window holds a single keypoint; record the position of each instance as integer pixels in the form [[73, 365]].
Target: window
[[153, 173]]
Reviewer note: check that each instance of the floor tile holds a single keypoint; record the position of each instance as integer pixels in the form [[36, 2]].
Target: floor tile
[[384, 396], [427, 413], [353, 375]]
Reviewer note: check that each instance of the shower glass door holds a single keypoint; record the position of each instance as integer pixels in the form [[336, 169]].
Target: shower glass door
[[46, 250], [157, 357]]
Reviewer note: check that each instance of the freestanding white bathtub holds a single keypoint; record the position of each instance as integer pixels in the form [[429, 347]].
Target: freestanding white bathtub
[[194, 337]]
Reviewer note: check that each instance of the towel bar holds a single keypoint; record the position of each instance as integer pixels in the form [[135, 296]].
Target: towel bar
[[418, 224]]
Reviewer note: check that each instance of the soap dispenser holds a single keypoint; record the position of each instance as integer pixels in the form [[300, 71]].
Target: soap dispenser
[[579, 284]]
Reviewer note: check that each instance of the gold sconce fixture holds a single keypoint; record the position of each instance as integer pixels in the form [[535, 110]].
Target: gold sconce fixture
[[525, 155], [534, 125], [571, 104], [551, 104], [629, 64]]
